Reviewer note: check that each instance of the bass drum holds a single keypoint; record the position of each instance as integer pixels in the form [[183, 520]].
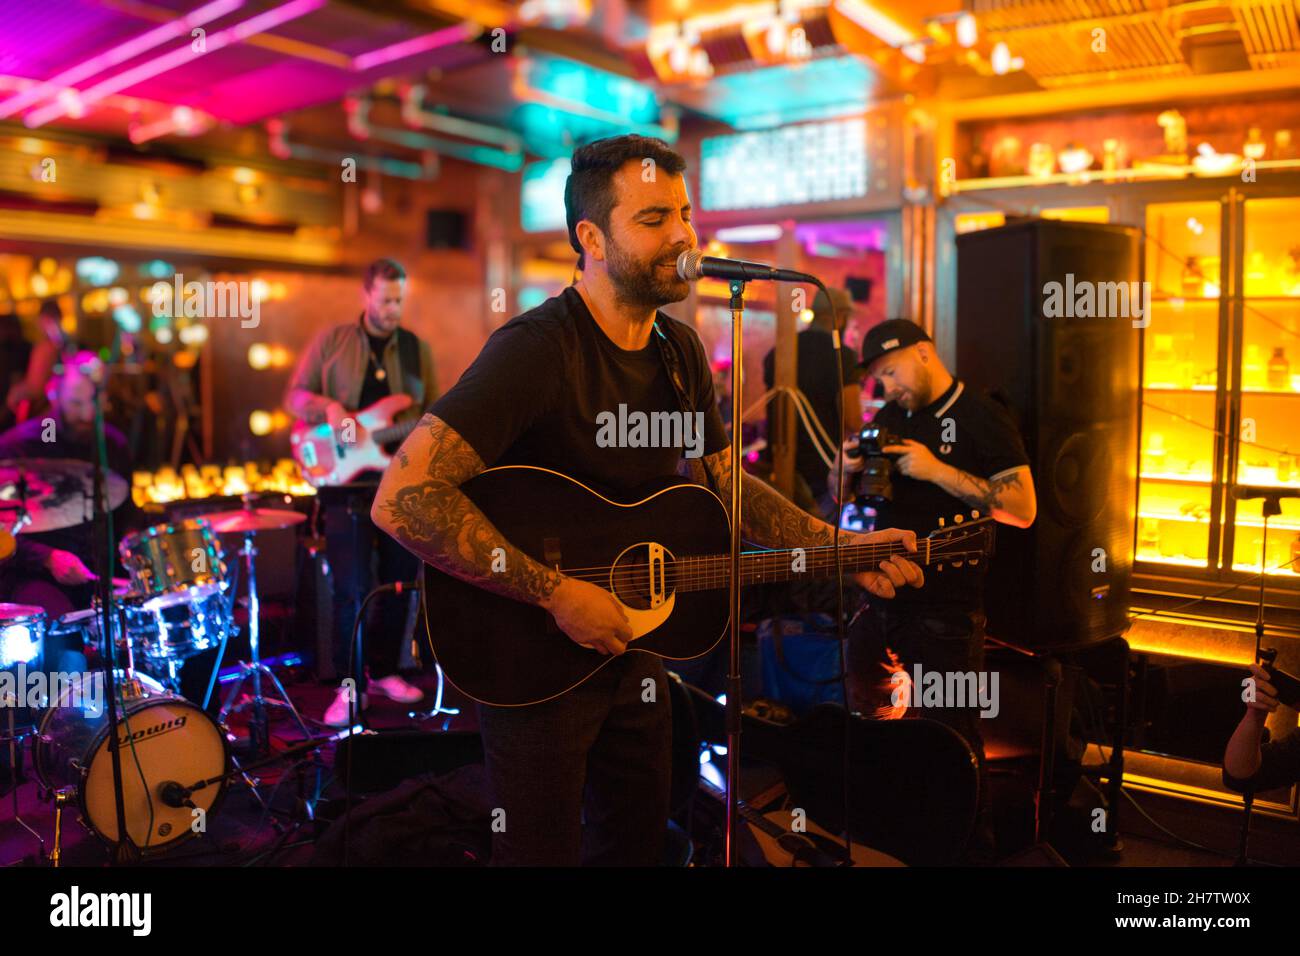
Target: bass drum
[[162, 738]]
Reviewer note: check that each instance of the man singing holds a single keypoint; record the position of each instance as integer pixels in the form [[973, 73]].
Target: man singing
[[592, 763]]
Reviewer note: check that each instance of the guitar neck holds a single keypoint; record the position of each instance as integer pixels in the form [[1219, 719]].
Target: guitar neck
[[392, 433], [764, 567]]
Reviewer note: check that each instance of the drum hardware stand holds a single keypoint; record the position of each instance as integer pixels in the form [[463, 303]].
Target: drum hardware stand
[[124, 851], [259, 728], [15, 741], [62, 796]]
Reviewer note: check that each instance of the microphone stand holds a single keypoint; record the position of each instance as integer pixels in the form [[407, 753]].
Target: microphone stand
[[733, 710], [124, 851], [1270, 507]]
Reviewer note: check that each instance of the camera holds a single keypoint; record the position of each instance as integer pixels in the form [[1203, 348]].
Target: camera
[[875, 485]]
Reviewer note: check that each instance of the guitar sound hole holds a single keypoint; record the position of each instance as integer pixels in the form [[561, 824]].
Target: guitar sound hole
[[630, 578]]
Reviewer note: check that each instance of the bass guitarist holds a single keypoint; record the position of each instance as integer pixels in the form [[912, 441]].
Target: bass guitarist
[[590, 766], [347, 368]]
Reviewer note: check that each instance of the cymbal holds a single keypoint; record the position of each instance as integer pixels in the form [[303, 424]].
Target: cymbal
[[59, 493], [253, 519]]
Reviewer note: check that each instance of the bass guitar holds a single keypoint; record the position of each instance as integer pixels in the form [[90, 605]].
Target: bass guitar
[[327, 458]]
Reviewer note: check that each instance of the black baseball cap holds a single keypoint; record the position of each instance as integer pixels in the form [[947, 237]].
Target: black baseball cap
[[889, 335]]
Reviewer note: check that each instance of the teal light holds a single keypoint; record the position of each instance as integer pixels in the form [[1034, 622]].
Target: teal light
[[588, 86], [157, 269], [575, 103], [530, 297], [96, 270], [541, 204], [778, 95], [127, 319]]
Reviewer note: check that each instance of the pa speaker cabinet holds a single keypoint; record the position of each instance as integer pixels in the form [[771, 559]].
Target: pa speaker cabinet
[[1045, 317]]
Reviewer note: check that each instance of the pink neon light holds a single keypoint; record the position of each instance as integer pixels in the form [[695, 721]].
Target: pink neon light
[[119, 54], [170, 61], [420, 44]]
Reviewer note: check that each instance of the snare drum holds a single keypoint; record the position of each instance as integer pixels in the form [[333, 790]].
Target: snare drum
[[172, 564], [162, 738], [178, 631]]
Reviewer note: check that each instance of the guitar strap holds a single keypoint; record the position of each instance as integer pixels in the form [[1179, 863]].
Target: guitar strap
[[669, 356]]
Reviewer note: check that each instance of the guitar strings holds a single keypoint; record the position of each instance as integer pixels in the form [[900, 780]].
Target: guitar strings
[[854, 550], [707, 571]]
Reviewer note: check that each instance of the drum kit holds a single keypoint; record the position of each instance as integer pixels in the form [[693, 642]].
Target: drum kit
[[177, 602]]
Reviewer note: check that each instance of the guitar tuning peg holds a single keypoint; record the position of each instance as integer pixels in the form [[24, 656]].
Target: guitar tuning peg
[[939, 567], [974, 561], [974, 514], [958, 564], [958, 519], [940, 522]]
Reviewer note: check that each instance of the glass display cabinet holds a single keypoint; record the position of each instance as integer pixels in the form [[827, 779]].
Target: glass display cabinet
[[1221, 386]]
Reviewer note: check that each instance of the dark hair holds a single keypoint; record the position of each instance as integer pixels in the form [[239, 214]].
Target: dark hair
[[589, 190], [50, 308], [389, 269]]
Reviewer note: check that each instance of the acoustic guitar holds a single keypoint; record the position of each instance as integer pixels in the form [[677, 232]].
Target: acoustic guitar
[[662, 555]]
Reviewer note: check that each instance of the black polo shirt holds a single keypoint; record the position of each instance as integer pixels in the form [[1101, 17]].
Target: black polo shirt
[[968, 431]]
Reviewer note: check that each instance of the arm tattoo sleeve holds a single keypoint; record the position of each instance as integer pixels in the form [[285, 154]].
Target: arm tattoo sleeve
[[766, 517], [987, 494], [428, 514]]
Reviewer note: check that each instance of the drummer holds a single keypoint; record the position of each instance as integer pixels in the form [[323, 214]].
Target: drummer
[[50, 569]]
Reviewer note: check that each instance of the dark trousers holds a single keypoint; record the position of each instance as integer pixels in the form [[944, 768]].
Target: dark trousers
[[940, 641], [362, 557], [583, 778]]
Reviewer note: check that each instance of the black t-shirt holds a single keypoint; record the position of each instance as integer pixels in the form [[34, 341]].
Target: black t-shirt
[[816, 378], [968, 431], [373, 389], [549, 382]]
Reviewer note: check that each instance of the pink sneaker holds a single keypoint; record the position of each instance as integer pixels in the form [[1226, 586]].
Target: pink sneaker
[[394, 686], [337, 713]]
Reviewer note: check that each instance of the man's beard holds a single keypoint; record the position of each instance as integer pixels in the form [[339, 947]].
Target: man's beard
[[643, 284]]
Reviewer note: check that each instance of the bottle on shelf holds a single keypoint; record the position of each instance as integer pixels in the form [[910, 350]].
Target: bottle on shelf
[[1193, 281], [1279, 370]]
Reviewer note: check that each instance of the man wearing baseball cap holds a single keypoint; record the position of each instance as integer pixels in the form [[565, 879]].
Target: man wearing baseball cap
[[953, 451]]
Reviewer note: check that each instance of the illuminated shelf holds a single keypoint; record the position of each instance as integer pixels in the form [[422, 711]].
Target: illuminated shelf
[[1289, 392], [1178, 479], [1180, 562], [1272, 298], [1176, 300], [1149, 173], [1273, 573], [1269, 482], [1199, 389], [1273, 525]]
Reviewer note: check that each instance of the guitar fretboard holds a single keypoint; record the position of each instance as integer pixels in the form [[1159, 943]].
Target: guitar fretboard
[[764, 567]]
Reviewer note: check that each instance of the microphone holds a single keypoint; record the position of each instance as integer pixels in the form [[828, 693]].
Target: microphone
[[693, 264], [1245, 492], [175, 795]]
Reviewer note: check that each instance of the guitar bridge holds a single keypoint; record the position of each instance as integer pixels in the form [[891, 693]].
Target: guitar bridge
[[658, 575]]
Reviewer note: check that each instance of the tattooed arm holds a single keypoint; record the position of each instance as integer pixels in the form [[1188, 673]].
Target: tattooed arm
[[771, 520], [1007, 496], [420, 504]]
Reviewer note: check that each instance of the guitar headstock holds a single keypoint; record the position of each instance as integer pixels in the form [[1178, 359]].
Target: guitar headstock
[[960, 539]]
